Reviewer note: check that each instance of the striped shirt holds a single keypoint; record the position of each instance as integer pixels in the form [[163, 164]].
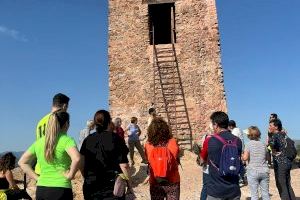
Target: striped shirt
[[258, 152]]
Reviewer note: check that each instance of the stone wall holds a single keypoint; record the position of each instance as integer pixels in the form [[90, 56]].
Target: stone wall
[[198, 52]]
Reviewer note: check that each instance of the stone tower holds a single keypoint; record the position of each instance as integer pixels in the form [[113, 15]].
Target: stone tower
[[165, 54]]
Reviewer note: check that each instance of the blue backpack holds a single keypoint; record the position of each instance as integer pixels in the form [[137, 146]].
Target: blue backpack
[[230, 162]]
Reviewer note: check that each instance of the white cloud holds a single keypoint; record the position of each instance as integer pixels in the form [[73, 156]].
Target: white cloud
[[13, 34]]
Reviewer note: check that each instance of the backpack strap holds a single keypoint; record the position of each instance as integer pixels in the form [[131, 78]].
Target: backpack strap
[[218, 137]]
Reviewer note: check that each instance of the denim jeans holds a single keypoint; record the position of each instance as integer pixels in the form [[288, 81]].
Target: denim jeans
[[258, 179], [204, 192]]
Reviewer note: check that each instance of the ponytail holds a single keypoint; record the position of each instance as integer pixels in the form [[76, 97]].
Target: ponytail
[[102, 120], [52, 131], [54, 127]]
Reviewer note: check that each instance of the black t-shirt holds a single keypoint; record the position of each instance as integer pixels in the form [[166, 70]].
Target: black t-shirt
[[103, 152], [220, 186]]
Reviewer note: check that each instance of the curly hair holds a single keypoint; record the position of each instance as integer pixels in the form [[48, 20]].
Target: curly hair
[[159, 132], [7, 162]]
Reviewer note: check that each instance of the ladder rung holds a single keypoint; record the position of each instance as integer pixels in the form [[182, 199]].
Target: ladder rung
[[170, 83], [164, 51], [182, 128], [178, 117], [182, 123], [171, 94], [166, 73], [177, 106], [167, 78], [168, 100], [168, 112], [166, 61], [159, 48], [170, 56], [167, 67]]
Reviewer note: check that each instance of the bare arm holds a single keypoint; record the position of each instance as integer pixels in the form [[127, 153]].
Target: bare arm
[[26, 167], [10, 179], [245, 156], [75, 157], [125, 169]]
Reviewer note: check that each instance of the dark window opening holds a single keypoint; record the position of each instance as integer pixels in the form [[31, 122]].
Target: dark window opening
[[162, 18]]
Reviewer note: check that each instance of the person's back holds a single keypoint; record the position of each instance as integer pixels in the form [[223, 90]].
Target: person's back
[[58, 159], [258, 151], [221, 186], [102, 157], [41, 126], [51, 173], [257, 169], [105, 157], [59, 102], [133, 132], [162, 151], [223, 149]]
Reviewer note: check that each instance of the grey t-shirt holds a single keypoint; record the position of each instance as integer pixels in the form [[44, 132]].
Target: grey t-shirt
[[258, 153]]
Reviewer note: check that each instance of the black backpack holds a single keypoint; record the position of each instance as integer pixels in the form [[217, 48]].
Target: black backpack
[[290, 149]]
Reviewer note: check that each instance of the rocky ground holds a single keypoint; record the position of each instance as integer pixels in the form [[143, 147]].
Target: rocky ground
[[191, 179]]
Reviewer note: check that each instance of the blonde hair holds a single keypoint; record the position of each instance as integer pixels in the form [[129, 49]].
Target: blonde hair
[[54, 128], [254, 133]]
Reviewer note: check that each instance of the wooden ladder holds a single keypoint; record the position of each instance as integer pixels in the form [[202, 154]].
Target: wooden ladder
[[168, 97]]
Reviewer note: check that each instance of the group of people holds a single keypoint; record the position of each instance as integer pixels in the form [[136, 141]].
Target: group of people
[[222, 184], [54, 159]]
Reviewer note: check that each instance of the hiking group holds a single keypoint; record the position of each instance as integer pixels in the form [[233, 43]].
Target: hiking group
[[53, 159]]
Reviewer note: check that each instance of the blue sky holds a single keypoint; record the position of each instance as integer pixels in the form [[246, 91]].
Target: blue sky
[[61, 46]]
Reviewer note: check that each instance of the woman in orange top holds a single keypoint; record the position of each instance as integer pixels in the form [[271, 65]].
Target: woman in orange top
[[162, 152]]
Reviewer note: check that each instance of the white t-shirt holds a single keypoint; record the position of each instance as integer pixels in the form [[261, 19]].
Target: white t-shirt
[[238, 133]]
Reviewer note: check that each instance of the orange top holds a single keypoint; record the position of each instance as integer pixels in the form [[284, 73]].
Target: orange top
[[174, 149]]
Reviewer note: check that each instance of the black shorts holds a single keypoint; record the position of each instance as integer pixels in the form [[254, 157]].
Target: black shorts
[[53, 193]]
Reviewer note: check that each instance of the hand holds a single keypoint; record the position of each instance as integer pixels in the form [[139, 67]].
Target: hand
[[68, 175]]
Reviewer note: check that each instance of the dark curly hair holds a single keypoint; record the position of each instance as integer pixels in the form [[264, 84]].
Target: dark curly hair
[[159, 132], [7, 162]]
